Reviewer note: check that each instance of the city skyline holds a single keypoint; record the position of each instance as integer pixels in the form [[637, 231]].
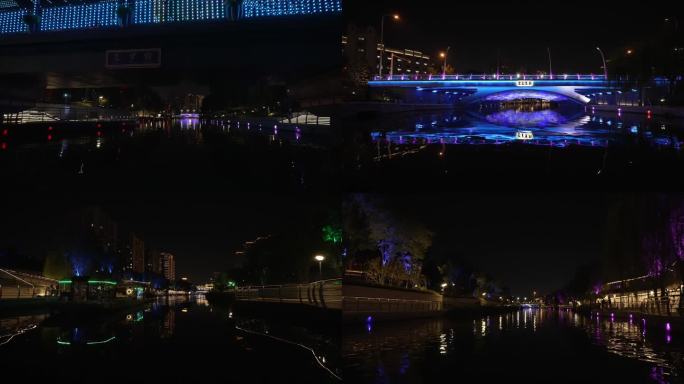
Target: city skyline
[[516, 35]]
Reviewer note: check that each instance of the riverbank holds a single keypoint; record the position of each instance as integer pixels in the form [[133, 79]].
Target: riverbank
[[650, 321], [364, 302], [671, 112]]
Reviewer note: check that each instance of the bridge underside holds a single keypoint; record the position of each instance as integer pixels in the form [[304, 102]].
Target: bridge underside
[[226, 56]]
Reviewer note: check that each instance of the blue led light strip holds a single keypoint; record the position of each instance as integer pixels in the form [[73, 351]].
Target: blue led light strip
[[12, 21], [80, 16], [103, 14], [169, 11], [266, 8]]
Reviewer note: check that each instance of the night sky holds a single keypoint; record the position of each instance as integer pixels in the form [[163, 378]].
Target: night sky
[[526, 241], [202, 236], [519, 30]]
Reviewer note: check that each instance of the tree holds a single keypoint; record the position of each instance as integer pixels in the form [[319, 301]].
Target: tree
[[56, 266], [399, 244]]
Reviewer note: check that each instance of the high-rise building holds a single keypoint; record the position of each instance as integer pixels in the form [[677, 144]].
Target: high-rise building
[[101, 226], [137, 254], [362, 50], [168, 264], [153, 261]]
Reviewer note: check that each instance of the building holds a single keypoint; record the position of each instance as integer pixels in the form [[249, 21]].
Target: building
[[362, 50], [153, 262], [102, 226], [168, 263], [137, 253]]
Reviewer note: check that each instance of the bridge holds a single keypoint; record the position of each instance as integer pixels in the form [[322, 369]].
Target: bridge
[[34, 16], [166, 48], [498, 88]]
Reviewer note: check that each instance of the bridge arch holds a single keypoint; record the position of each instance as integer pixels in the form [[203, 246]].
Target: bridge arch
[[552, 94]]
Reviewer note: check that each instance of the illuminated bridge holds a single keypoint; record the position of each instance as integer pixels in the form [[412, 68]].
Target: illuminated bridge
[[167, 48], [497, 88]]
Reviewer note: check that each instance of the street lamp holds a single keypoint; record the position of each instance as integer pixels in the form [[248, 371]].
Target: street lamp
[[320, 259], [382, 38], [605, 67], [444, 56]]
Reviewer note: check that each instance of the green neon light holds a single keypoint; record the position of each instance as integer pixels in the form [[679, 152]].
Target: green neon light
[[63, 342], [64, 281], [101, 342], [101, 282]]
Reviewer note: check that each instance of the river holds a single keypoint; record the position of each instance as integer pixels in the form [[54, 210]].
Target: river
[[525, 346], [174, 340]]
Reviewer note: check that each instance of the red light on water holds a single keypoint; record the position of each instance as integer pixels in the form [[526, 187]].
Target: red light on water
[[99, 125], [49, 128], [3, 146], [99, 134], [49, 137], [5, 132]]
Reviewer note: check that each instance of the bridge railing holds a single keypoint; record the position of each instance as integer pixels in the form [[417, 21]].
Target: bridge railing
[[483, 77], [322, 294]]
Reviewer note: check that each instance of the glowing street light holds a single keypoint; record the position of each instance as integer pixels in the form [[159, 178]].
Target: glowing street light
[[394, 17], [320, 259], [605, 67], [444, 56]]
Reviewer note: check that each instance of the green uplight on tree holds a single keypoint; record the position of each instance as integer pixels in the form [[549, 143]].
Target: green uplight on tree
[[332, 234]]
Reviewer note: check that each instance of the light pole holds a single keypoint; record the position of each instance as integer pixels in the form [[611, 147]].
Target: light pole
[[605, 67], [382, 39], [320, 259], [550, 64], [444, 55]]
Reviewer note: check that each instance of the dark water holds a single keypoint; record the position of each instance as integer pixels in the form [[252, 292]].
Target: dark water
[[524, 346], [561, 145], [176, 341], [182, 154]]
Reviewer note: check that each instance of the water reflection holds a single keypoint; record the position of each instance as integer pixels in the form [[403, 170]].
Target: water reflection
[[545, 127], [170, 333], [497, 347]]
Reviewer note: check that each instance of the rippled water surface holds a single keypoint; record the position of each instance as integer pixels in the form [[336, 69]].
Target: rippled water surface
[[524, 346]]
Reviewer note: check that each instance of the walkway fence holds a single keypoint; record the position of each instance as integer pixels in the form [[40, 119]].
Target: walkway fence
[[386, 305], [322, 294], [20, 285]]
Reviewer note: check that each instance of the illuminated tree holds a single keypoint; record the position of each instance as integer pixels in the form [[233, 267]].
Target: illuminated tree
[[398, 246]]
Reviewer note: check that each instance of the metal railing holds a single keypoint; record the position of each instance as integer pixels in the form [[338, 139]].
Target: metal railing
[[44, 113], [486, 77], [375, 304], [660, 306], [322, 294]]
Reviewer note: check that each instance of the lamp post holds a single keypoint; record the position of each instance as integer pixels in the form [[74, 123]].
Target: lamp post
[[444, 55], [605, 67], [550, 63], [382, 40], [320, 259]]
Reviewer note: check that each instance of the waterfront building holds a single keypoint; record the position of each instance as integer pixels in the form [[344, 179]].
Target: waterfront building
[[168, 266], [137, 254], [362, 48], [650, 294]]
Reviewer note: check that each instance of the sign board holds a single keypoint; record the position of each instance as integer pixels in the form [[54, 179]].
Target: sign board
[[524, 83], [133, 58]]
